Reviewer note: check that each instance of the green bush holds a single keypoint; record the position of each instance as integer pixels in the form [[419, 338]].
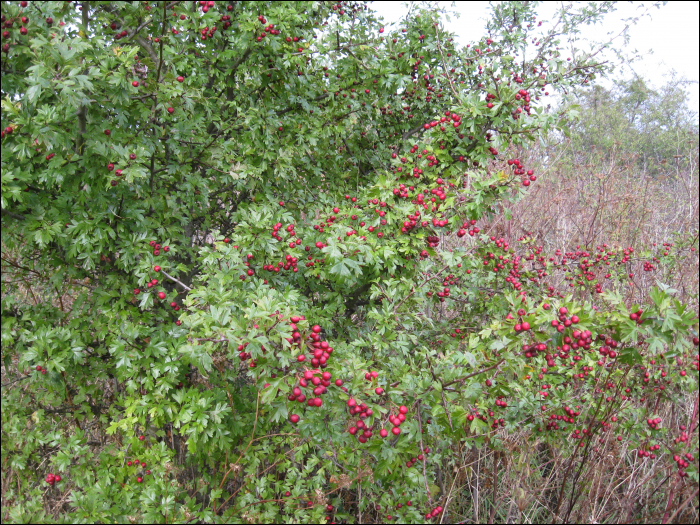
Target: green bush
[[241, 241]]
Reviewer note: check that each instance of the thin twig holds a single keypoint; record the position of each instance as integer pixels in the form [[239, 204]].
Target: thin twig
[[177, 281], [422, 451]]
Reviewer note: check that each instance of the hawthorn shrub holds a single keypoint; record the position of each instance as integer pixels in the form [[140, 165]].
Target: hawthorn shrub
[[245, 277]]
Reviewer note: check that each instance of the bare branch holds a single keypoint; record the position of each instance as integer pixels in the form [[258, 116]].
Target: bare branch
[[177, 281]]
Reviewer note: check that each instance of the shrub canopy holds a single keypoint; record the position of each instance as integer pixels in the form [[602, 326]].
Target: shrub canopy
[[245, 238]]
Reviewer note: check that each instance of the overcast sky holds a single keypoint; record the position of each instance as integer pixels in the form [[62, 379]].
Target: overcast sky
[[668, 38]]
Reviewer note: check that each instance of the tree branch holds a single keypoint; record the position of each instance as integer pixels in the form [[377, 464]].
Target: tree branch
[[81, 113], [177, 281], [13, 215]]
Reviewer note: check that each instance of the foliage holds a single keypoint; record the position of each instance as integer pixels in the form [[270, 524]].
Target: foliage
[[240, 240], [652, 129]]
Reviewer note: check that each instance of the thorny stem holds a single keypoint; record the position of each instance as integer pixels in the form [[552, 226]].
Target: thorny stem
[[255, 424], [422, 451]]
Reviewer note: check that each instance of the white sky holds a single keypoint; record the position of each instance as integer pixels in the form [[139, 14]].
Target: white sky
[[667, 40]]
